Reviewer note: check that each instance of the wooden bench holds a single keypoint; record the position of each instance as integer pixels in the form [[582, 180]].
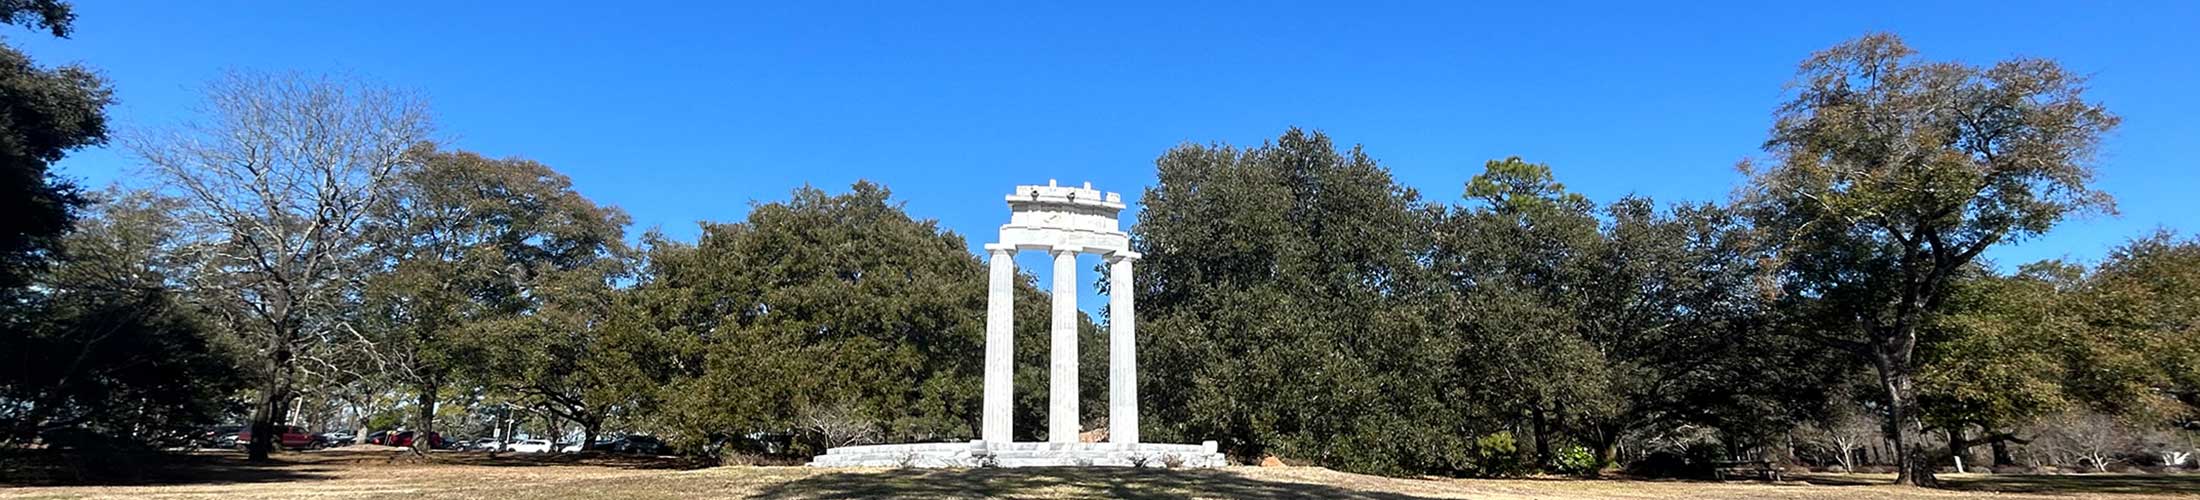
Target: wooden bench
[[1759, 469]]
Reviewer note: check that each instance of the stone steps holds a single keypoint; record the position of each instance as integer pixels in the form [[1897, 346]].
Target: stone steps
[[981, 454]]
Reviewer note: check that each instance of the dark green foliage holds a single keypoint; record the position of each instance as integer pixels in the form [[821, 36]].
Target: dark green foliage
[[466, 246], [100, 352], [495, 272], [1995, 358], [1585, 325], [2142, 350], [51, 15], [829, 305], [89, 343], [44, 114], [1277, 307]]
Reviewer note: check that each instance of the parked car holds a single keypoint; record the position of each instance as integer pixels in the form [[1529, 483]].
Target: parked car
[[529, 446], [288, 436], [645, 445], [337, 438], [485, 444], [219, 437], [404, 438]]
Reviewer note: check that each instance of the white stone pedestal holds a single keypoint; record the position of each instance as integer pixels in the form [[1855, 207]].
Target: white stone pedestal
[[983, 454]]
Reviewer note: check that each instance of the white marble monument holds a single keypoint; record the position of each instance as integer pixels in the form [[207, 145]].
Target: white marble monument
[[1062, 221]]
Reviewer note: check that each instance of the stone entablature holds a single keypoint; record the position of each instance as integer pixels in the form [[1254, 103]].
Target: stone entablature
[[1052, 216]]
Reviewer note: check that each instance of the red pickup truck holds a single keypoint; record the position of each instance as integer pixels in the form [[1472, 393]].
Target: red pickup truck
[[288, 436]]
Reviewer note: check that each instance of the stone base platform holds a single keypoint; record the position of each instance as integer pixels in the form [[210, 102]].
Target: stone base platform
[[983, 454]]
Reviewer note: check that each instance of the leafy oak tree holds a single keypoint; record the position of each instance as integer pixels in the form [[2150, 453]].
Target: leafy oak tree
[[1516, 260], [2001, 355], [1890, 174], [2144, 329], [463, 239], [828, 305], [1596, 323], [1279, 308]]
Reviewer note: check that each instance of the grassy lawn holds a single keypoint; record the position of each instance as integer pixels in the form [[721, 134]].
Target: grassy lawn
[[366, 475]]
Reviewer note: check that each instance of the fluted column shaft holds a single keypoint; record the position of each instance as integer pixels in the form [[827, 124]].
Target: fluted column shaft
[[998, 425], [1122, 351], [1062, 425]]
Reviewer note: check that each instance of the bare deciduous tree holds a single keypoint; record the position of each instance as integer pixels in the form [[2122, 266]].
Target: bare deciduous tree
[[278, 179], [839, 424], [1845, 434], [2087, 439]]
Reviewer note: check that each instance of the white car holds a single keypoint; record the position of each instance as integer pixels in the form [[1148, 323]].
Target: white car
[[529, 446]]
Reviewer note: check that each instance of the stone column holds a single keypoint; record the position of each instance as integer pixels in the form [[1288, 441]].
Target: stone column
[[1062, 379], [1122, 350], [1000, 346]]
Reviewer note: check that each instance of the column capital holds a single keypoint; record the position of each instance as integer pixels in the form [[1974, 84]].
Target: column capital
[[1061, 249], [1121, 255], [1000, 249]]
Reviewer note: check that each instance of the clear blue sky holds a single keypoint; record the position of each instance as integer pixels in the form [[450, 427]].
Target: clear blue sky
[[687, 112]]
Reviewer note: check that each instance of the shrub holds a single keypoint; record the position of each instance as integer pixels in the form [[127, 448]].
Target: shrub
[[1498, 455], [1575, 460]]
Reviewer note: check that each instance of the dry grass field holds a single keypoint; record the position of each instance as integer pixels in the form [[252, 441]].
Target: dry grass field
[[373, 474]]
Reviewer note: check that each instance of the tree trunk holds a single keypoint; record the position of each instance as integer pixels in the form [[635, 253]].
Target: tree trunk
[[1958, 445], [425, 421], [1542, 439], [588, 434], [274, 399], [1911, 463], [359, 433], [1607, 443], [553, 430], [2000, 444]]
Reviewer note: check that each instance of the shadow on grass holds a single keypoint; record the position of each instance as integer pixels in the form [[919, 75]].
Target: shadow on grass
[[45, 468], [1828, 479], [2079, 483], [584, 458], [209, 467], [2053, 484], [1108, 482]]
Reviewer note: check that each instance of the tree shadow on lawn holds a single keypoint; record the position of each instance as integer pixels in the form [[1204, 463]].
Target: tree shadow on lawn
[[2053, 484], [1833, 479], [583, 458], [48, 468], [210, 467], [1109, 482], [2157, 484]]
